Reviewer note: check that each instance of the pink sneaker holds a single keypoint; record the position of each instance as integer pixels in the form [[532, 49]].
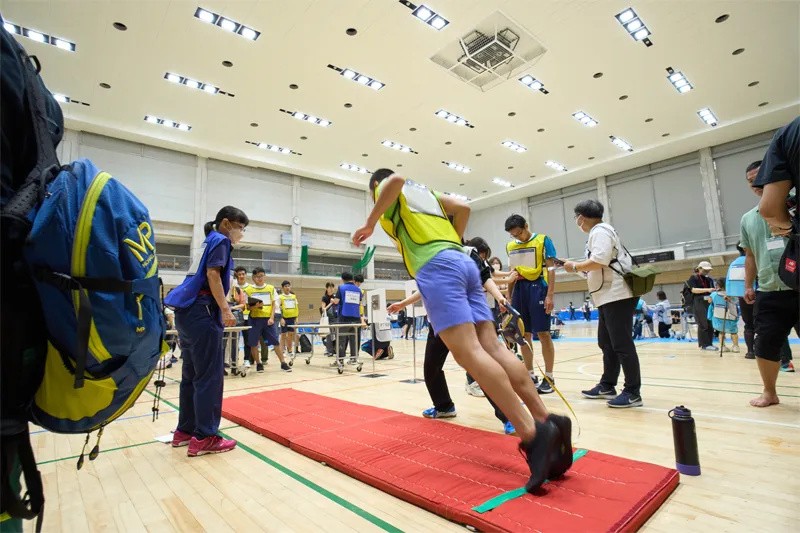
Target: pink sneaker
[[214, 444], [180, 438]]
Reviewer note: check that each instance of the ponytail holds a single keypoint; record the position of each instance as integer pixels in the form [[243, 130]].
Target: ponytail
[[233, 214]]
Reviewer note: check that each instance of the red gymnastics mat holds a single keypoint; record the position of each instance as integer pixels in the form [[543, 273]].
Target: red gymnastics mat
[[450, 470]]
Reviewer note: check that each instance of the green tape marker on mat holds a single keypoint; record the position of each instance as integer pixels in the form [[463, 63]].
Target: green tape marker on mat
[[516, 493]]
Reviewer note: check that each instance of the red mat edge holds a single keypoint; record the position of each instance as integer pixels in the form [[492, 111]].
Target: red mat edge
[[647, 506], [274, 437]]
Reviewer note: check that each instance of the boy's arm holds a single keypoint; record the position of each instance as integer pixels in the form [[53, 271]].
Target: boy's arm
[[459, 210], [390, 191]]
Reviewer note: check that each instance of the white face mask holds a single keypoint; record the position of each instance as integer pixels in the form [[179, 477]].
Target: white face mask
[[577, 223]]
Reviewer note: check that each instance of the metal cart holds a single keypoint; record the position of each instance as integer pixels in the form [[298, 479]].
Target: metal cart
[[228, 335], [314, 331]]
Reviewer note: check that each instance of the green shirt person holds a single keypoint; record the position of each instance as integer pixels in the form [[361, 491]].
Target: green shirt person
[[767, 250]]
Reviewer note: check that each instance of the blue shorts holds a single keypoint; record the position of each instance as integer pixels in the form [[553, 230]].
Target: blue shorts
[[451, 290], [259, 327], [289, 322], [528, 299]]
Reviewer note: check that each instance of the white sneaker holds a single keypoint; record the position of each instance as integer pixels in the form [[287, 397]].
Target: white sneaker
[[735, 349], [725, 349], [246, 363], [710, 349], [474, 389]]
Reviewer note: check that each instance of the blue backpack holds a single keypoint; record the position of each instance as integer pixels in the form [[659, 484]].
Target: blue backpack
[[78, 356]]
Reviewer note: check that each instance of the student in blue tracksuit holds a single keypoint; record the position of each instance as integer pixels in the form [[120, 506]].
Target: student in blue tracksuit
[[201, 312], [348, 303]]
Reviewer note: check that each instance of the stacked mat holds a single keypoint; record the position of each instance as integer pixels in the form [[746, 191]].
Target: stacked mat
[[452, 470]]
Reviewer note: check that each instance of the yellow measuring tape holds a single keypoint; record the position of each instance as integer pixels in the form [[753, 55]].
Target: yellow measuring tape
[[513, 329]]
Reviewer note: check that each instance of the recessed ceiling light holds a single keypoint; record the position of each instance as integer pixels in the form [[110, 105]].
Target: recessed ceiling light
[[253, 125], [303, 138], [557, 166], [597, 75], [227, 64], [360, 78], [623, 97], [571, 146], [120, 26], [514, 147], [619, 143], [532, 83], [458, 196], [355, 168], [294, 86], [708, 117], [61, 98], [412, 129], [192, 84], [348, 106], [585, 119], [634, 25], [448, 143], [510, 168], [427, 15], [591, 158], [364, 155], [484, 192], [720, 19], [512, 114], [648, 120], [299, 115], [502, 183], [763, 104], [226, 24], [665, 134], [105, 86], [166, 122], [273, 148], [679, 81], [453, 118], [397, 146], [540, 130], [351, 31], [38, 36], [478, 155], [456, 166], [752, 83], [738, 51]]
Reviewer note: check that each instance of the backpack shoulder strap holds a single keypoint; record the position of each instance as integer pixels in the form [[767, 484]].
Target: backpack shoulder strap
[[32, 189]]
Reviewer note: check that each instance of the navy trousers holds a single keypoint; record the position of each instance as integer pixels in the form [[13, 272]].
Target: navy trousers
[[200, 330]]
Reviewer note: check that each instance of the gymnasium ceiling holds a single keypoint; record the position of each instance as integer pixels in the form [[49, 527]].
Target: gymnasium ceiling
[[300, 38]]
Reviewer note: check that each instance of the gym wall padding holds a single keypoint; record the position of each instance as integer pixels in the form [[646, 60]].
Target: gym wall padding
[[449, 469]]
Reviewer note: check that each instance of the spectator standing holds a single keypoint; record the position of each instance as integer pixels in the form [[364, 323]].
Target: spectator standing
[[328, 308], [571, 311], [587, 310], [702, 286], [776, 305], [240, 284], [348, 301], [290, 310], [615, 304]]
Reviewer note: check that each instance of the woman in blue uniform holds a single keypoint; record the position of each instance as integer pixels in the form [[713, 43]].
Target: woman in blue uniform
[[201, 312]]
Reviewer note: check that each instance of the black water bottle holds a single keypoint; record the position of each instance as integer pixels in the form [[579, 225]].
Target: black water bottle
[[687, 459]]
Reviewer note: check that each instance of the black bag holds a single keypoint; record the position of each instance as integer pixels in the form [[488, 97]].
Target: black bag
[[787, 269], [687, 296], [305, 344], [32, 125]]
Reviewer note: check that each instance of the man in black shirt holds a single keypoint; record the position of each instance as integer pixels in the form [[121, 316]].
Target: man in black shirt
[[702, 286]]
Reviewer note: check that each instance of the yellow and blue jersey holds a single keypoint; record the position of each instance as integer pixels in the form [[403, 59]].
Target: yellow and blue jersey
[[528, 258]]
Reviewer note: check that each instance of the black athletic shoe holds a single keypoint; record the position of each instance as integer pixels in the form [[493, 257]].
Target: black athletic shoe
[[538, 454], [750, 355], [562, 454], [545, 387], [285, 367], [260, 368]]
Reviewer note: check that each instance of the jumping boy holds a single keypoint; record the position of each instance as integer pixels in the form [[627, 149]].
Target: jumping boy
[[416, 218], [289, 311]]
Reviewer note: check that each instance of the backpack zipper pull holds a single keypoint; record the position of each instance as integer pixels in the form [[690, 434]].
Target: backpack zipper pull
[[80, 459], [140, 326], [96, 450]]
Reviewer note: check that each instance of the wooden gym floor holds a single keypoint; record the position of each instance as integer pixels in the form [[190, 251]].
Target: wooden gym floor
[[749, 456]]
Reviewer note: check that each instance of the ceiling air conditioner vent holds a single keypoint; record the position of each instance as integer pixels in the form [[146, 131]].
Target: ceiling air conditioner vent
[[490, 53]]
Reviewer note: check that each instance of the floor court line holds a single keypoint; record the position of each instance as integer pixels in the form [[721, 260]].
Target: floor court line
[[307, 482]]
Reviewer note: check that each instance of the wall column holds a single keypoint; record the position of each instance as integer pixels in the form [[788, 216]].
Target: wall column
[[68, 149], [296, 250], [711, 195], [200, 196], [602, 197]]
